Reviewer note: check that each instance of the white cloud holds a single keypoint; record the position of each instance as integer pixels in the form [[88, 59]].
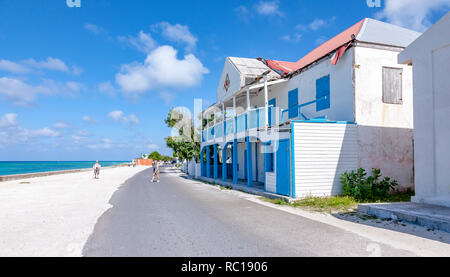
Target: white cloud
[[13, 67], [20, 93], [8, 120], [142, 42], [94, 28], [413, 14], [60, 125], [120, 117], [105, 144], [178, 33], [160, 70], [49, 64], [292, 38], [268, 8], [89, 119], [12, 133]]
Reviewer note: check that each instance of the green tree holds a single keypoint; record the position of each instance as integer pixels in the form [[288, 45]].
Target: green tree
[[155, 156], [185, 139]]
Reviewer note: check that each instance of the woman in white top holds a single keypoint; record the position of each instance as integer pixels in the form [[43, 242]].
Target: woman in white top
[[97, 167]]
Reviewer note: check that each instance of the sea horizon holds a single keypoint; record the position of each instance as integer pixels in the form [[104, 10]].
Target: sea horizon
[[8, 168]]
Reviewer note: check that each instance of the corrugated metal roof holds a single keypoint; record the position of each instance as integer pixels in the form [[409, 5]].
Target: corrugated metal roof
[[252, 68], [366, 30]]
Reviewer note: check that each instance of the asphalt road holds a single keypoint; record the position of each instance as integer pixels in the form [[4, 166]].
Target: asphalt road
[[179, 217]]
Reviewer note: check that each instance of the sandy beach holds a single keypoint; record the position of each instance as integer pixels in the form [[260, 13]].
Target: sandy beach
[[54, 215]]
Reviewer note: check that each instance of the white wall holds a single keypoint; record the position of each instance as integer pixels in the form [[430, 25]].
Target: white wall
[[385, 135], [322, 152], [341, 86], [235, 81], [430, 56]]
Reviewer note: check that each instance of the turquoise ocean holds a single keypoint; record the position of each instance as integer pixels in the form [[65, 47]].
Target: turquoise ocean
[[14, 168]]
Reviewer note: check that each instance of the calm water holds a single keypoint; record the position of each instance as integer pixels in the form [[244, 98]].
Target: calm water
[[13, 168]]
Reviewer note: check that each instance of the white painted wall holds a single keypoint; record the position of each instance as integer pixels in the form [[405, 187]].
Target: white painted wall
[[341, 85], [430, 57], [235, 81], [322, 152], [385, 135]]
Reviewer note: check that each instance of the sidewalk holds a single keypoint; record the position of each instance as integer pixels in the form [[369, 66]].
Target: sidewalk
[[430, 216]]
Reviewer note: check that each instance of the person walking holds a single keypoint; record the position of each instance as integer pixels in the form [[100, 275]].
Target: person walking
[[97, 167], [155, 171]]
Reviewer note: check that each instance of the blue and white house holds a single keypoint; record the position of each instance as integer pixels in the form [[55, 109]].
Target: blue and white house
[[292, 128]]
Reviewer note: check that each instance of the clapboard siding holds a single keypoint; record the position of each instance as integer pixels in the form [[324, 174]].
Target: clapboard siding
[[271, 182], [322, 152]]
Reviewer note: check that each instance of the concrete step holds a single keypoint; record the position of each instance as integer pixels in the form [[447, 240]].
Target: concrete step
[[430, 216]]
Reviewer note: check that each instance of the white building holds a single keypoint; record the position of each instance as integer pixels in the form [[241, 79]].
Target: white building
[[294, 127], [430, 57]]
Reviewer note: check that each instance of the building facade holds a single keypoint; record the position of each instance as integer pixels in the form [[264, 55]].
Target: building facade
[[429, 56], [293, 128]]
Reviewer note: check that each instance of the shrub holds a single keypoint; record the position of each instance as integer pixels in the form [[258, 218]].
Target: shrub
[[363, 188]]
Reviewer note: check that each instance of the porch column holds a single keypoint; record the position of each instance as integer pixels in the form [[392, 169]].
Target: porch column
[[208, 163], [201, 163], [266, 102], [224, 130], [235, 161], [234, 116], [249, 162], [216, 175], [224, 163]]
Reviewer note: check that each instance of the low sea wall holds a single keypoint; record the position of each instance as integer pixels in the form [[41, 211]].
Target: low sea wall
[[50, 173]]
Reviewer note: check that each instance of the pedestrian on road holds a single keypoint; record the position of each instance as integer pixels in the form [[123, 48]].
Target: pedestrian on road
[[97, 167], [155, 171]]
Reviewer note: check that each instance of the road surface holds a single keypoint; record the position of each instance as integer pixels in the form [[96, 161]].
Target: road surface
[[180, 217]]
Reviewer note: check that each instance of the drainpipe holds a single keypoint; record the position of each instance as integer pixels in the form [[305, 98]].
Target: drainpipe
[[266, 102]]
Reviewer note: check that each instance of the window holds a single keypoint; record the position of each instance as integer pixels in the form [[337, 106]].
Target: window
[[323, 93], [392, 85]]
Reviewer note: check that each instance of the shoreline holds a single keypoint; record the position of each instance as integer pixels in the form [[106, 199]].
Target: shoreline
[[15, 177]]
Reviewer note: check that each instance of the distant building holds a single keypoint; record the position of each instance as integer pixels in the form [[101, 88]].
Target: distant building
[[293, 128], [429, 56]]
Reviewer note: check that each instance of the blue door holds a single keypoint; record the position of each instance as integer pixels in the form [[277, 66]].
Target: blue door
[[283, 168]]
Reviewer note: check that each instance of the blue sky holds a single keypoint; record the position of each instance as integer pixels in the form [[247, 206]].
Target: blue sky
[[96, 82]]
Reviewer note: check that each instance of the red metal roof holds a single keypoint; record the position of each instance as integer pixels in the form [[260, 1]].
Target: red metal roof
[[320, 52]]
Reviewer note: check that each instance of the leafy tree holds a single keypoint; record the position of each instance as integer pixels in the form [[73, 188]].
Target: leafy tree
[[185, 139], [155, 156]]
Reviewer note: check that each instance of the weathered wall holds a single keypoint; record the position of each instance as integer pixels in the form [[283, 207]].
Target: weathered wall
[[384, 130], [430, 56]]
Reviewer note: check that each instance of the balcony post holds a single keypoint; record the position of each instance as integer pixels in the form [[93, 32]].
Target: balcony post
[[224, 163], [208, 162], [216, 175], [266, 102], [235, 161], [234, 116]]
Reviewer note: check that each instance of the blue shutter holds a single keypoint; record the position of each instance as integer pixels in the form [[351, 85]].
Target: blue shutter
[[272, 103], [323, 90], [293, 103]]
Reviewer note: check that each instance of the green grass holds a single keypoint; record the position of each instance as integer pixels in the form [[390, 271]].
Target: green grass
[[336, 203]]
